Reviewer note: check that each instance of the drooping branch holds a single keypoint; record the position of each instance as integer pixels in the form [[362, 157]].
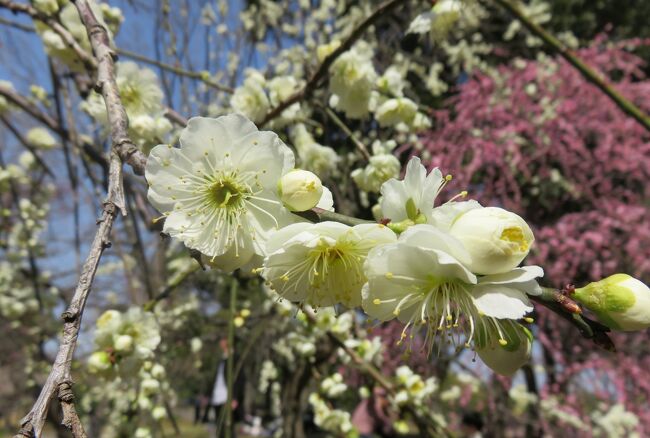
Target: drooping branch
[[320, 74], [202, 76], [627, 106], [59, 379]]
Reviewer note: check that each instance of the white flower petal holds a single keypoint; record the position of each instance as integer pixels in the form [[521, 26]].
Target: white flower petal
[[444, 216], [326, 200], [431, 237], [517, 275], [501, 302]]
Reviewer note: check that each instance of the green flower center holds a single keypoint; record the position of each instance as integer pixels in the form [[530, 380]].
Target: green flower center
[[227, 193]]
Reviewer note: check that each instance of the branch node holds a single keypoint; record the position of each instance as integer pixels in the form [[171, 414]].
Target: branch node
[[69, 315], [65, 392]]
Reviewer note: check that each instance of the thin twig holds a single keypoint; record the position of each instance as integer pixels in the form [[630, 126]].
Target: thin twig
[[627, 106], [568, 309], [57, 27], [202, 76], [359, 145], [321, 71], [26, 144]]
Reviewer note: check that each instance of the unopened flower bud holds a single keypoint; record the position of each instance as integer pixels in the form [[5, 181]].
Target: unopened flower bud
[[99, 361], [510, 353], [497, 239], [619, 301], [300, 190], [158, 413]]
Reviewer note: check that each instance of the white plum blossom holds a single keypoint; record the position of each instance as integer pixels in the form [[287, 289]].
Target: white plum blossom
[[40, 138], [250, 99], [392, 82], [142, 98], [396, 111], [423, 280], [218, 192], [321, 264], [439, 20], [379, 169], [280, 89], [412, 198], [322, 160], [352, 80]]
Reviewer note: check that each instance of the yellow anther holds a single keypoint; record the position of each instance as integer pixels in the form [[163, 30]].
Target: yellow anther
[[448, 178], [463, 194], [503, 342], [376, 301], [389, 275], [529, 320]]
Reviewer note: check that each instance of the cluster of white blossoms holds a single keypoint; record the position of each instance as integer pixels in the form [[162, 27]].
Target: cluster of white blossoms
[[336, 421], [124, 341], [257, 96], [109, 17], [450, 271], [142, 98], [352, 80], [412, 388]]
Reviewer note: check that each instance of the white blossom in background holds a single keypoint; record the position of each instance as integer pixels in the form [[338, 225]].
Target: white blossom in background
[[381, 167], [333, 386], [392, 82], [280, 89], [412, 387], [332, 420], [124, 341], [616, 422], [439, 20], [352, 79], [322, 160], [142, 98], [521, 398], [4, 103], [397, 111], [69, 18], [250, 98], [321, 264], [40, 138], [219, 191]]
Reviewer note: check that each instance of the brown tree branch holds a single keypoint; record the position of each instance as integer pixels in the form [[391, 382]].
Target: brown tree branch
[[122, 148]]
